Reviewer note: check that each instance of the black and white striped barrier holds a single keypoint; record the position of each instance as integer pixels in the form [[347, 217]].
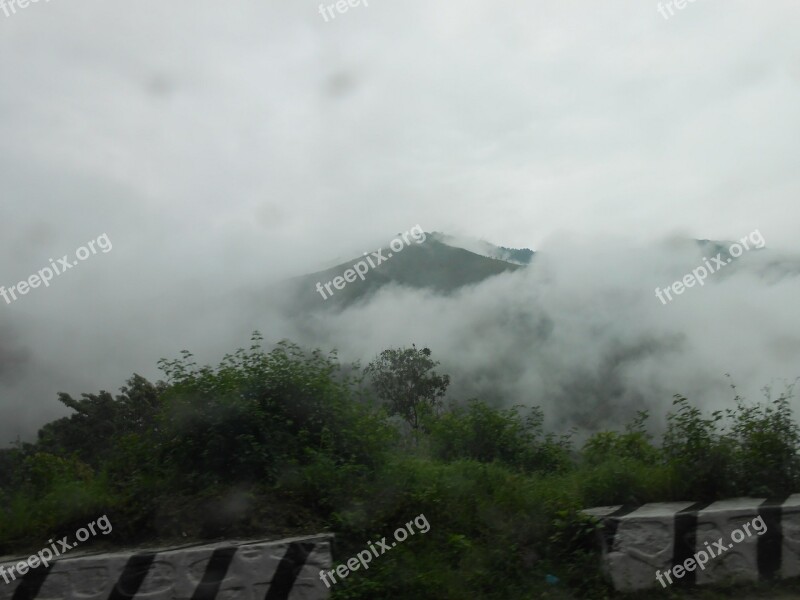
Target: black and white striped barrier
[[639, 541], [277, 570]]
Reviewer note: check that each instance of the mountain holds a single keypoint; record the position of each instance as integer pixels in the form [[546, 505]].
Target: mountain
[[433, 264], [521, 256], [444, 263]]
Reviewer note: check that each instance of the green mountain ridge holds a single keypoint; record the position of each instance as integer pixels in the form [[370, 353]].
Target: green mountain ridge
[[443, 264], [431, 265]]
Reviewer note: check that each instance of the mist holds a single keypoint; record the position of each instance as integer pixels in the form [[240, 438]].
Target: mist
[[581, 333], [225, 150]]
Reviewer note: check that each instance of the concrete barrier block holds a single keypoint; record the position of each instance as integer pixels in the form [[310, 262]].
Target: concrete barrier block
[[256, 570], [638, 541]]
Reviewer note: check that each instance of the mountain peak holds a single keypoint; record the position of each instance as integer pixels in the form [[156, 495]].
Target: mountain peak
[[517, 256], [434, 261]]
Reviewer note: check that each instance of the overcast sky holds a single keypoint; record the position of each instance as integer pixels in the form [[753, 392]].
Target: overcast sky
[[225, 146]]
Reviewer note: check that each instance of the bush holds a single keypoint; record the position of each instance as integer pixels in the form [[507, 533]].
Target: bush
[[55, 493], [283, 442], [702, 458], [260, 413], [757, 456], [634, 444], [765, 441], [489, 537], [485, 434]]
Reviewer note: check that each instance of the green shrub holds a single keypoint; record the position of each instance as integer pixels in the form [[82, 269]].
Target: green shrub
[[284, 442], [765, 441], [489, 538], [625, 481], [701, 456], [633, 444], [485, 434], [55, 494], [259, 412]]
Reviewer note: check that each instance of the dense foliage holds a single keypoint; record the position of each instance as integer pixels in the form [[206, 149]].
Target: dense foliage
[[289, 441]]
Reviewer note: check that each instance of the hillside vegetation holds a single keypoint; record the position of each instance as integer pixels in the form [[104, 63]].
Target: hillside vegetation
[[288, 441]]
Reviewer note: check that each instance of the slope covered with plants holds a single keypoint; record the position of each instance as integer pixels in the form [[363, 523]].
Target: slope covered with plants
[[289, 441]]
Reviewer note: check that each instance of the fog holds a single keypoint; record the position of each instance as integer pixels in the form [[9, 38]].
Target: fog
[[224, 148], [581, 332]]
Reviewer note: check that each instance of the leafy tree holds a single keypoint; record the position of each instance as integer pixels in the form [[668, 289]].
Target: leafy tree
[[100, 419], [404, 378]]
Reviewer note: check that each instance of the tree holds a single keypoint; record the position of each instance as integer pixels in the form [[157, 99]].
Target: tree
[[100, 419], [405, 380]]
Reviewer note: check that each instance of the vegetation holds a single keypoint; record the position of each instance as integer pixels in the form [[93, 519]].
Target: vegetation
[[290, 441], [406, 382]]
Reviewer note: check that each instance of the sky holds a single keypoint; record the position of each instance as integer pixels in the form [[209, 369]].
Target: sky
[[225, 147]]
